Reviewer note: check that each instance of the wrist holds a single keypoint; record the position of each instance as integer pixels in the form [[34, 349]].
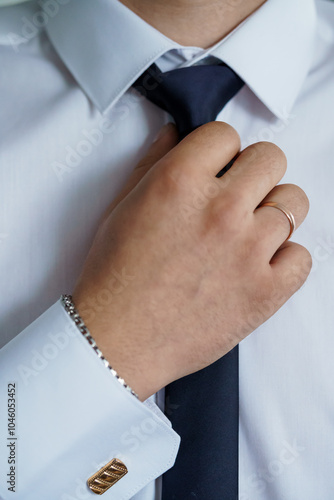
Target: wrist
[[70, 308], [125, 353]]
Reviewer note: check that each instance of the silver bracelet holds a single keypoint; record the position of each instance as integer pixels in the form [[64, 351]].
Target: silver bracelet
[[67, 302]]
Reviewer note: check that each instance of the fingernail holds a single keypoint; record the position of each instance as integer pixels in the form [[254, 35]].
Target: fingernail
[[163, 131]]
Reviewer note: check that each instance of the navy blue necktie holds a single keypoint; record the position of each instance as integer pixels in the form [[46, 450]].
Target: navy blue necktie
[[204, 406]]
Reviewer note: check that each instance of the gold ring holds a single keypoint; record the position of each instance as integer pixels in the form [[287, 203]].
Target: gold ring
[[285, 211]]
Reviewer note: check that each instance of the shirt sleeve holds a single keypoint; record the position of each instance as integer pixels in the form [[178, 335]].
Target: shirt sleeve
[[63, 416]]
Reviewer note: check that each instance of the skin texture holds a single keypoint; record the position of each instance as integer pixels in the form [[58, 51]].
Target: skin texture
[[202, 266], [199, 23]]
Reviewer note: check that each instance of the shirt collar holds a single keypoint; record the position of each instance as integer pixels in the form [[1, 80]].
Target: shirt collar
[[107, 47], [272, 51]]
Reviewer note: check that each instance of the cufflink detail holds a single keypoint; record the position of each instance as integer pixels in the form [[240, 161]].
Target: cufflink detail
[[106, 477]]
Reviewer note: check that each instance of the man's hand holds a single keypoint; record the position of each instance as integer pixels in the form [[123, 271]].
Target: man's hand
[[205, 266]]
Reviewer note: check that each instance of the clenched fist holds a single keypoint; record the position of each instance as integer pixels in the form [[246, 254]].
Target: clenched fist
[[205, 264]]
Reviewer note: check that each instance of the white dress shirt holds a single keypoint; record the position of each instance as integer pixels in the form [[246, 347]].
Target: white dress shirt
[[71, 131]]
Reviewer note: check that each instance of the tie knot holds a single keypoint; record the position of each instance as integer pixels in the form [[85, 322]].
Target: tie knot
[[193, 95]]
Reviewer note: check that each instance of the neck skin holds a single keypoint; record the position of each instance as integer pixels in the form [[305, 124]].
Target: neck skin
[[200, 23]]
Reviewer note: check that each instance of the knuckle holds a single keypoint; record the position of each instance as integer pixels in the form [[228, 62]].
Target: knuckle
[[299, 270], [215, 131], [270, 155], [299, 196], [306, 260], [232, 136], [229, 133], [170, 178], [273, 151]]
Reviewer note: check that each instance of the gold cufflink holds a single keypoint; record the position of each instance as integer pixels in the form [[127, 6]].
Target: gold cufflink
[[106, 477]]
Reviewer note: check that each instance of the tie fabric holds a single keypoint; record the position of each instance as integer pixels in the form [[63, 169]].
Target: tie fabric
[[204, 406], [193, 95]]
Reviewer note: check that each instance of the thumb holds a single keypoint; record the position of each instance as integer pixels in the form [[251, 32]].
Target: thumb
[[166, 140]]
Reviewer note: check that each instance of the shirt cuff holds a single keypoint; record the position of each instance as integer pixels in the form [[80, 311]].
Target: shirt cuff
[[72, 417]]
